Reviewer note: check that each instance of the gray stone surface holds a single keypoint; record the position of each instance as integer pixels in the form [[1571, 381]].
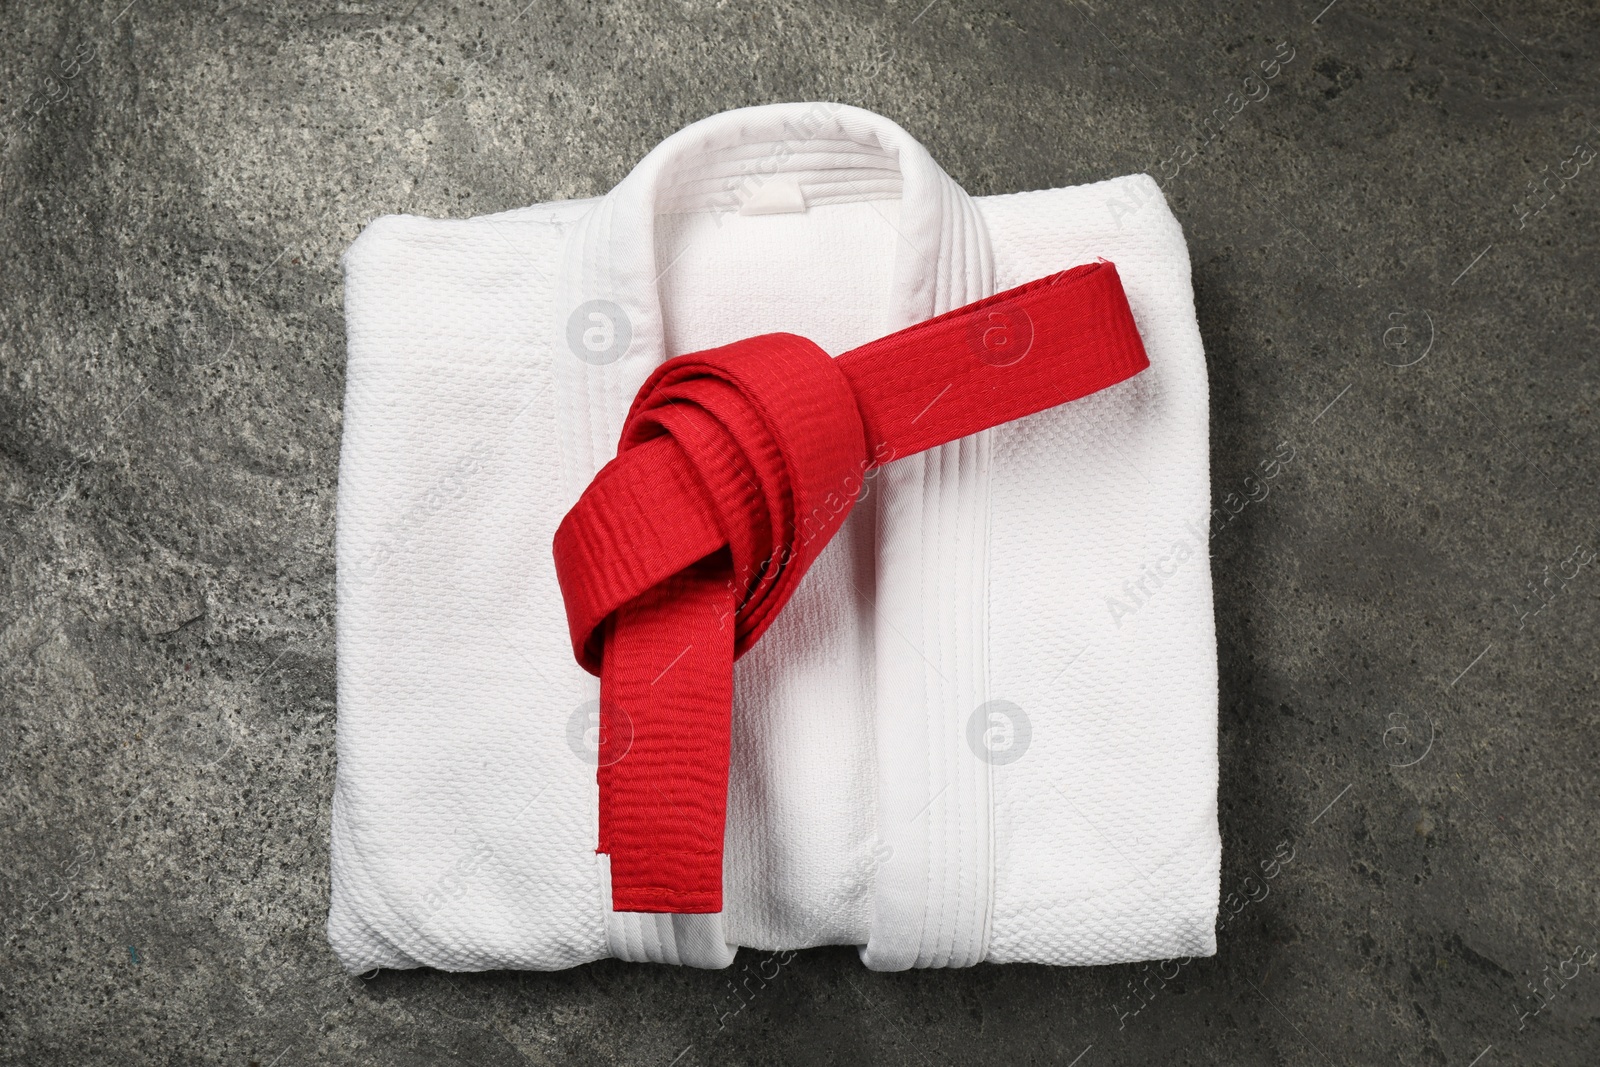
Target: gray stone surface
[[178, 181]]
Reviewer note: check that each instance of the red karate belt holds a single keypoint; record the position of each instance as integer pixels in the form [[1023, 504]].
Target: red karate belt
[[736, 466]]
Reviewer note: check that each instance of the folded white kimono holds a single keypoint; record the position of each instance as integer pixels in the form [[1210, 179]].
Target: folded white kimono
[[985, 726]]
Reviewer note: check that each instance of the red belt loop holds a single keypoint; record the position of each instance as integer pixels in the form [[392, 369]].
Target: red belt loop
[[736, 467]]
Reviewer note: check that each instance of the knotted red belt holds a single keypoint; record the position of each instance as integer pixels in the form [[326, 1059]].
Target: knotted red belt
[[736, 466]]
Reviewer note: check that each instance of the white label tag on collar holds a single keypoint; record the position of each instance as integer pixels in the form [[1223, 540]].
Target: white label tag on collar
[[777, 196]]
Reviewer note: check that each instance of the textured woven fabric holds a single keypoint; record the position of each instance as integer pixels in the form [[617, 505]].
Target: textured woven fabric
[[984, 726], [736, 468]]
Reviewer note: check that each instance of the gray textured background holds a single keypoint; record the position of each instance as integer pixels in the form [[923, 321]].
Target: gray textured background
[[1406, 620]]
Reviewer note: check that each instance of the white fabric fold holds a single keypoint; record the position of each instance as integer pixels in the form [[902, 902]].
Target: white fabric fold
[[950, 748]]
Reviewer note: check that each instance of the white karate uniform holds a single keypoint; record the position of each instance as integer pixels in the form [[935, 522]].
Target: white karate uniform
[[984, 729]]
